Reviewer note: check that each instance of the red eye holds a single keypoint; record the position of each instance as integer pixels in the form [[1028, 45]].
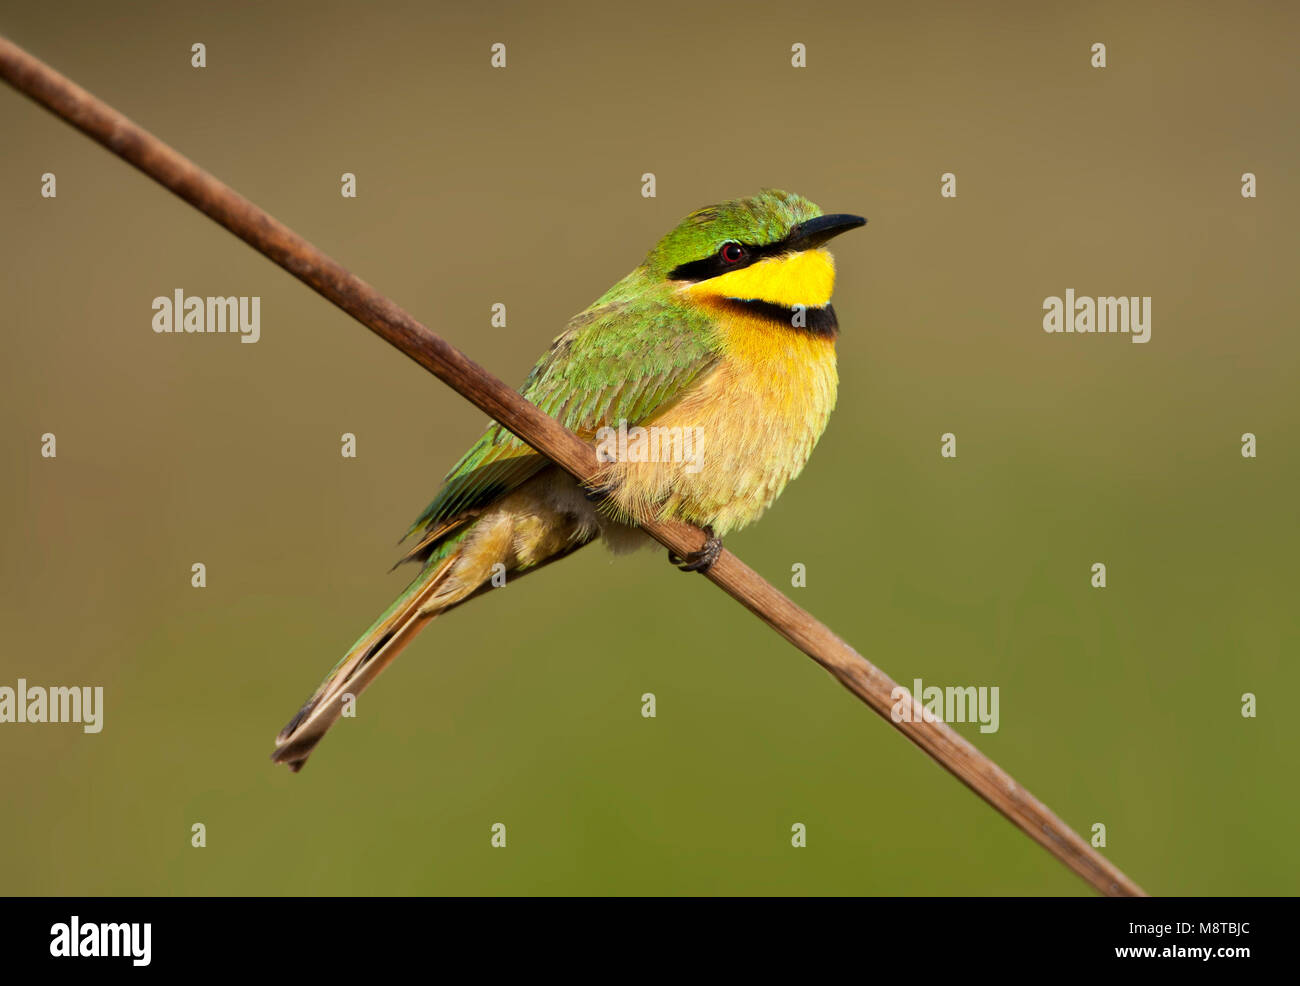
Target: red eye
[[732, 253]]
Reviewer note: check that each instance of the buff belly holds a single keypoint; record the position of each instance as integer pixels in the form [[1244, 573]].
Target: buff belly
[[756, 416]]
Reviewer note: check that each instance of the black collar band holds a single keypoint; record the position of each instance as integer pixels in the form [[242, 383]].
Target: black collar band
[[814, 321]]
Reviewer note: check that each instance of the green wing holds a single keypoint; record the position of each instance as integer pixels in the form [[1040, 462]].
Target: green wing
[[620, 359]]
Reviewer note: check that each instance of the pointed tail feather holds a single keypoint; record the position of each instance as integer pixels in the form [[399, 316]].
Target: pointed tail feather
[[361, 665]]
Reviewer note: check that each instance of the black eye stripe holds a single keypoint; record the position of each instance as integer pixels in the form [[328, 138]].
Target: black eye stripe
[[713, 265], [807, 235]]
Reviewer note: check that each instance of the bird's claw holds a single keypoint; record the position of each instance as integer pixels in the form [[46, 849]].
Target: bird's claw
[[703, 559]]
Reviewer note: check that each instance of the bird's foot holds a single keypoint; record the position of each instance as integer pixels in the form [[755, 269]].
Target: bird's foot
[[702, 560]]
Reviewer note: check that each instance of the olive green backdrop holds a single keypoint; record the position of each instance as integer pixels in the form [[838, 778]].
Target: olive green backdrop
[[1118, 706]]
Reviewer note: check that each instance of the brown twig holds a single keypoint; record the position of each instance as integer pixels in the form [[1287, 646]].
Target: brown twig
[[172, 170]]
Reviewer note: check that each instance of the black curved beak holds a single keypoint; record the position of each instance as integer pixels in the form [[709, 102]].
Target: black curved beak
[[815, 232]]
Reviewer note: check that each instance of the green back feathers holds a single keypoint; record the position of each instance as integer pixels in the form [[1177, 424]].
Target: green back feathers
[[617, 361]]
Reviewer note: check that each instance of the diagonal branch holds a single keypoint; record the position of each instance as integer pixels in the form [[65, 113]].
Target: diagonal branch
[[273, 239]]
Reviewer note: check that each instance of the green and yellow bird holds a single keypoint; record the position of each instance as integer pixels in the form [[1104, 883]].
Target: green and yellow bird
[[721, 344]]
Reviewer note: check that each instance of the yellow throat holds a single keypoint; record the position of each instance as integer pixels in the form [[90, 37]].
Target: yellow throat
[[805, 278]]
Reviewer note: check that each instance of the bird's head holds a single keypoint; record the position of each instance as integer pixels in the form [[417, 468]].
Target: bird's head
[[768, 248]]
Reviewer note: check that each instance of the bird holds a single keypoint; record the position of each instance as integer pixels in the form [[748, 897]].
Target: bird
[[717, 352]]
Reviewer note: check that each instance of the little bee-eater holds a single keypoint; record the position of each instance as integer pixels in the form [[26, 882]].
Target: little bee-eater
[[717, 355]]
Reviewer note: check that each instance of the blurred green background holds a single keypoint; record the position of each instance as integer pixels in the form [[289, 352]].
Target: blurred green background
[[1119, 706]]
